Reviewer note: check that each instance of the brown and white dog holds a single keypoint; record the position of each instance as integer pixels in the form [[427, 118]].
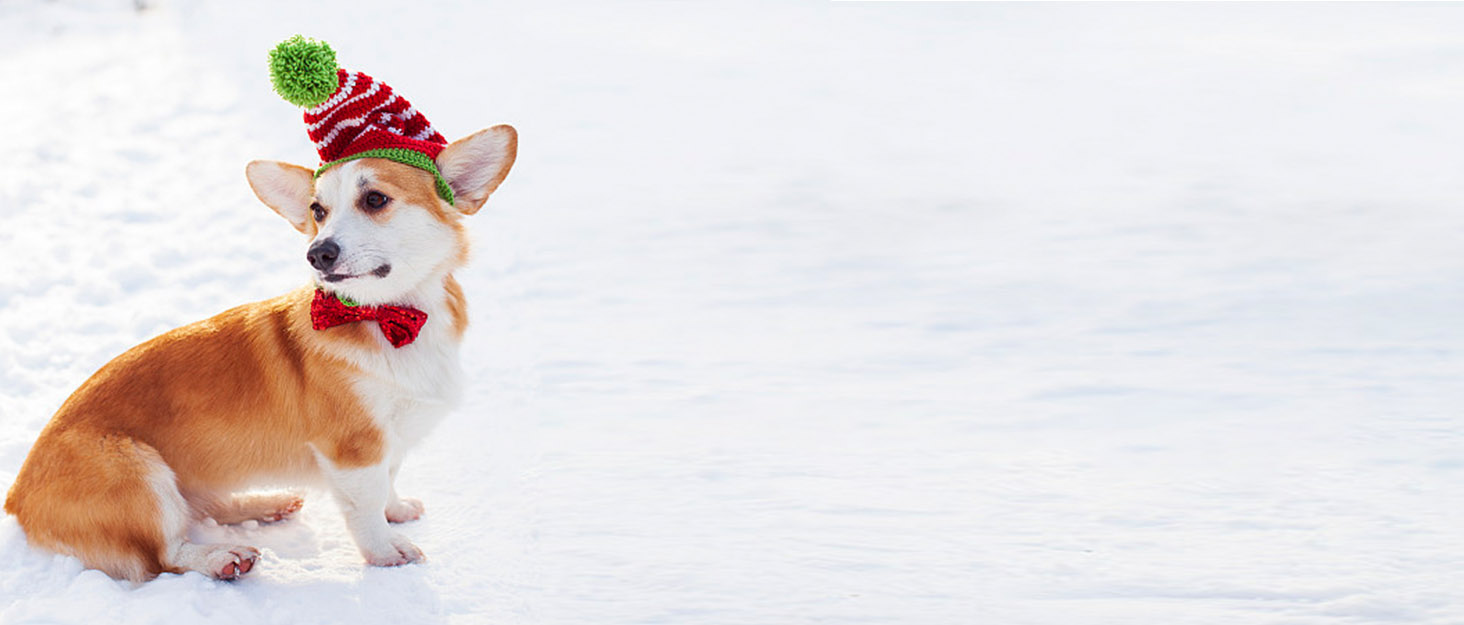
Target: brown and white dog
[[174, 429]]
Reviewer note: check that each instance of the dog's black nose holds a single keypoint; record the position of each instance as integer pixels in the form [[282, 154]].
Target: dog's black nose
[[323, 254]]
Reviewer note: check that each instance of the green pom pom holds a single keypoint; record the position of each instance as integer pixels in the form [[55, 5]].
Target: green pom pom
[[303, 71]]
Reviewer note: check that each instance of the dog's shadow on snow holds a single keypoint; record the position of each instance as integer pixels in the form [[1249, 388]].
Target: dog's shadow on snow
[[318, 569], [314, 573]]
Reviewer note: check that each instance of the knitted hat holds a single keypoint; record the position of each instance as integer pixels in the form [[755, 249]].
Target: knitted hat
[[350, 115]]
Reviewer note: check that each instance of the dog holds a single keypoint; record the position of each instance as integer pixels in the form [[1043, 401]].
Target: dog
[[173, 430]]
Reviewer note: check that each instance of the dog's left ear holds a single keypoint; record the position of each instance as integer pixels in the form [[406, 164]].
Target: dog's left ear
[[476, 164]]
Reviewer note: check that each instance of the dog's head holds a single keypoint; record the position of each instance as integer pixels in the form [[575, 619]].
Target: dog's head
[[378, 229]]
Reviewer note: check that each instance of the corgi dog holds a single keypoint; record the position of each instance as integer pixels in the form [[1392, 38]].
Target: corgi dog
[[176, 429]]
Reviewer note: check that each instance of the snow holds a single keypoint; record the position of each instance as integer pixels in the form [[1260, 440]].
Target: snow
[[797, 313]]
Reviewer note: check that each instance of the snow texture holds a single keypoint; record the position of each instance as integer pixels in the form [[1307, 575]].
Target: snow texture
[[812, 313]]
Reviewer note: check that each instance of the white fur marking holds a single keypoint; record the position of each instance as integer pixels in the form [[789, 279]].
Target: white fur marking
[[362, 494], [418, 247], [173, 512]]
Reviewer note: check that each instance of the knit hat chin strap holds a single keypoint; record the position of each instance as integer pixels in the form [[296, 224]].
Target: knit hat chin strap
[[350, 115]]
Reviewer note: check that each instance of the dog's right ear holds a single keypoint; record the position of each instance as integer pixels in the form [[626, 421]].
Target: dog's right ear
[[286, 188]]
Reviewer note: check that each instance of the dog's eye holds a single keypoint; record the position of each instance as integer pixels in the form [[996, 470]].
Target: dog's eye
[[318, 210], [375, 200]]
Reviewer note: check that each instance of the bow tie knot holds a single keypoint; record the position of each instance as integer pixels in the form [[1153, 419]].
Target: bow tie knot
[[399, 324]]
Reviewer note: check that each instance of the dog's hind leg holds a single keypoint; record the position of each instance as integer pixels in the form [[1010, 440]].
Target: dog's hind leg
[[111, 501], [89, 494], [266, 507], [221, 561], [226, 562]]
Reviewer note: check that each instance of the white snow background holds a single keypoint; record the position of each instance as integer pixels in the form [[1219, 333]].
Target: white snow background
[[812, 313]]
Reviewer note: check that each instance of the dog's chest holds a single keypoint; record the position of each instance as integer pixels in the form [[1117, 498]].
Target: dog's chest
[[409, 389]]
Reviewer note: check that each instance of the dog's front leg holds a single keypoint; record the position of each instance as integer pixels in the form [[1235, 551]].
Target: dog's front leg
[[362, 494]]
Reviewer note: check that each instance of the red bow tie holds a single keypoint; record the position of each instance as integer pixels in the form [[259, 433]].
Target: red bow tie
[[399, 324]]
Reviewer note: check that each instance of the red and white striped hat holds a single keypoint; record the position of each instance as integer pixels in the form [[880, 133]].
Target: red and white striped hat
[[350, 115]]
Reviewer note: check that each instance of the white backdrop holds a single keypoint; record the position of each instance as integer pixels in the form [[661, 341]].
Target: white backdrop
[[812, 313]]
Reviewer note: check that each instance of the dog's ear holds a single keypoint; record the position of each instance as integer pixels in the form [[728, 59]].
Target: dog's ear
[[475, 165], [284, 187]]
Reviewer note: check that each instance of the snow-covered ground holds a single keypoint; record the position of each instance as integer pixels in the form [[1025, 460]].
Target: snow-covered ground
[[813, 313]]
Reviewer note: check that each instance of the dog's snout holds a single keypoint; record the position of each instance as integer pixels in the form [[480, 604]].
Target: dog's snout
[[323, 254]]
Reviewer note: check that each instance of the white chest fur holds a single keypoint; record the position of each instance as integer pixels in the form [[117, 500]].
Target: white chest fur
[[409, 389]]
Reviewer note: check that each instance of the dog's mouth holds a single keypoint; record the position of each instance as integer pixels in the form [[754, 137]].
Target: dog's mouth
[[379, 272]]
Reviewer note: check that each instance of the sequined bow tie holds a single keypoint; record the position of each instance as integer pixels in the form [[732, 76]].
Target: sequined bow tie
[[399, 324]]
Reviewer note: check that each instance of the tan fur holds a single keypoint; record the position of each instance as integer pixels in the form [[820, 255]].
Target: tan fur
[[267, 507], [304, 177], [471, 197], [406, 185], [457, 305], [179, 423], [219, 401]]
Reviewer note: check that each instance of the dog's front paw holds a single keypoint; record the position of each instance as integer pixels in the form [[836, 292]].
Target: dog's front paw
[[397, 552], [403, 510]]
